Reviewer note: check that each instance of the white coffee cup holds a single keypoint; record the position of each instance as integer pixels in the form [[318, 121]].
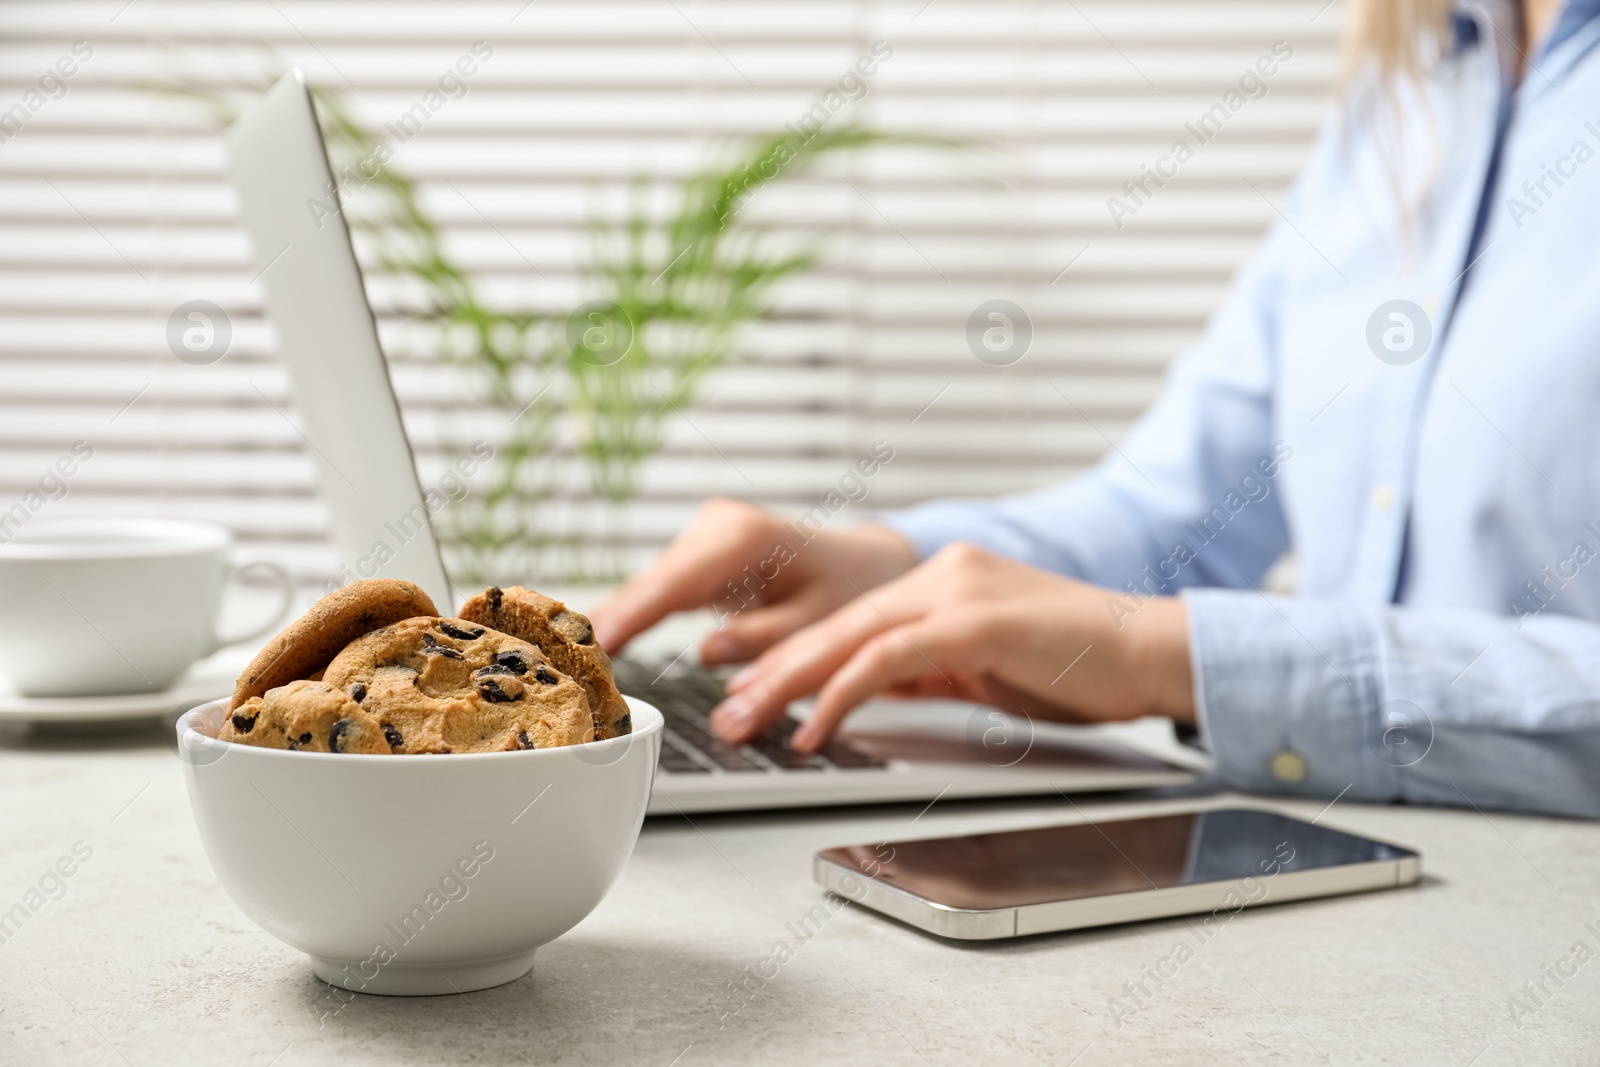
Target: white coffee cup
[[112, 606]]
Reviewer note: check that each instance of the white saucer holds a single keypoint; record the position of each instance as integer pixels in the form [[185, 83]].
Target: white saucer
[[206, 679]]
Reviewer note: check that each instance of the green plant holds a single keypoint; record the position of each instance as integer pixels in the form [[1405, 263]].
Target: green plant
[[671, 295], [679, 289]]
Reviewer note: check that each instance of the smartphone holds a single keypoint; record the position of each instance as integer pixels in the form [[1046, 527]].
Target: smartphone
[[985, 886]]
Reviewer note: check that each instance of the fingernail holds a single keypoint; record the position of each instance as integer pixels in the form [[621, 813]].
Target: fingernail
[[803, 739], [741, 678], [733, 715]]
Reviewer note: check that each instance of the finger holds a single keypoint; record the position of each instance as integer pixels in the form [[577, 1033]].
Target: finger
[[807, 650], [912, 654], [689, 574], [752, 632], [799, 665], [647, 598]]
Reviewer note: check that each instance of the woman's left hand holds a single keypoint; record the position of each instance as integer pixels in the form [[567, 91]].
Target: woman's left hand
[[970, 625]]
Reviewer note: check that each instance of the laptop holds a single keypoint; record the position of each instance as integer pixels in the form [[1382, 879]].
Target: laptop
[[889, 751]]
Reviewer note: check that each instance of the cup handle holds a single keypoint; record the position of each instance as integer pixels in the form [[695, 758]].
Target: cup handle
[[244, 560]]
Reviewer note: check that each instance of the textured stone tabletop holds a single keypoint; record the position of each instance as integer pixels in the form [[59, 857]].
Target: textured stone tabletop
[[139, 956]]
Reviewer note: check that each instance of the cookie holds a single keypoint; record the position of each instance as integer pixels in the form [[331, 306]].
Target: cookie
[[306, 647], [447, 685], [307, 716], [566, 639]]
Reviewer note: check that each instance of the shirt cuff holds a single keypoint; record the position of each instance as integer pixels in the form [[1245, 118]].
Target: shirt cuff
[[1287, 693]]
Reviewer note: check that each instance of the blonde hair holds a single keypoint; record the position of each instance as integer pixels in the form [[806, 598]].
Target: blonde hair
[[1394, 37], [1388, 47]]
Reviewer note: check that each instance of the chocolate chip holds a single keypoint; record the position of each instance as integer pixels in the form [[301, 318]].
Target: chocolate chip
[[490, 690], [296, 742], [358, 692], [393, 736], [338, 735], [495, 595], [573, 627], [522, 740], [513, 661], [543, 674], [460, 633], [624, 725], [244, 725], [432, 647], [493, 668]]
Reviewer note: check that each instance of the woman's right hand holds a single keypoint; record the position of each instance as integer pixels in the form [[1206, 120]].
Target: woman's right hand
[[758, 574]]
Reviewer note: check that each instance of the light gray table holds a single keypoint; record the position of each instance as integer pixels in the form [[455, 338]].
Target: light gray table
[[144, 959]]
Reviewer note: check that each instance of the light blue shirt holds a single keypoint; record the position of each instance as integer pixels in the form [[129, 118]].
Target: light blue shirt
[[1443, 503]]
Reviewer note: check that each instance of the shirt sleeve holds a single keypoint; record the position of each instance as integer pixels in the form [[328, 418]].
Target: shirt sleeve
[[1394, 704], [1189, 498]]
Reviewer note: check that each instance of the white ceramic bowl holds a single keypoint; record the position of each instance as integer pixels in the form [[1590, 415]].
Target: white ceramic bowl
[[417, 875]]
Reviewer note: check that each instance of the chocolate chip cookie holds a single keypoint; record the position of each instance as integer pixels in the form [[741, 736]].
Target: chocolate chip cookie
[[566, 639], [307, 716], [438, 685], [306, 647]]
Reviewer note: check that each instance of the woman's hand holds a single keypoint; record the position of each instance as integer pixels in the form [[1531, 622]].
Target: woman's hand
[[762, 577], [974, 626]]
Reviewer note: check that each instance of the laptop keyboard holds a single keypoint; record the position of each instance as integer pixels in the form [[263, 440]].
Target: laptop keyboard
[[686, 693]]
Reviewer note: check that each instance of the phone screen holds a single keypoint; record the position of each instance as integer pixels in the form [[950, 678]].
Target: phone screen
[[1051, 863]]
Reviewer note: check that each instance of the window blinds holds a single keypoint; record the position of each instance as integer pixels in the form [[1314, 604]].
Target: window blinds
[[1069, 200]]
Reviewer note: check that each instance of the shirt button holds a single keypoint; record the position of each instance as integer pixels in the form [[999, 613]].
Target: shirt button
[[1289, 766], [1383, 498]]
